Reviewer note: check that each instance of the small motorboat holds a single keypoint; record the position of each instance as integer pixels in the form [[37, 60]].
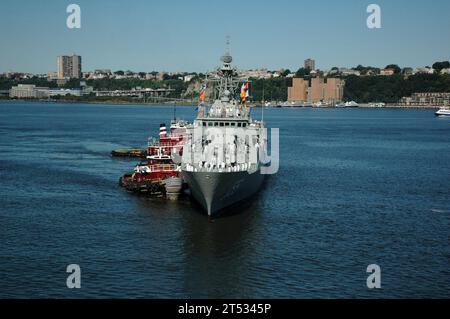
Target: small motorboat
[[443, 112]]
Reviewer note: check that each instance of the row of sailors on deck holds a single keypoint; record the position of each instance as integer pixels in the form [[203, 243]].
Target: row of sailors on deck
[[222, 167], [219, 156]]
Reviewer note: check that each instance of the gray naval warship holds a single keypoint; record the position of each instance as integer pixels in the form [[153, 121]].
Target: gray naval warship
[[223, 154]]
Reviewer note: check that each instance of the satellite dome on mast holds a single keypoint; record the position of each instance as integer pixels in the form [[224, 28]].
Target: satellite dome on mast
[[227, 58]]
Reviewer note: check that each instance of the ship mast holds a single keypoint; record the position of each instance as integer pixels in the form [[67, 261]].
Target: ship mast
[[227, 84]]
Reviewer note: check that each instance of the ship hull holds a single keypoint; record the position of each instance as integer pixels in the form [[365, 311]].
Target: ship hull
[[217, 191]]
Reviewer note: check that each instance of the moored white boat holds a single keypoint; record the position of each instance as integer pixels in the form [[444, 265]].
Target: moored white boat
[[379, 105], [443, 112], [351, 104]]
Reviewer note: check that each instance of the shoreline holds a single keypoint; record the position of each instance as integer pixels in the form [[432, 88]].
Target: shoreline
[[394, 106], [111, 103], [124, 103]]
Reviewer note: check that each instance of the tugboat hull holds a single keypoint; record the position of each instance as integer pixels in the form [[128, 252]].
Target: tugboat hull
[[173, 186], [217, 191]]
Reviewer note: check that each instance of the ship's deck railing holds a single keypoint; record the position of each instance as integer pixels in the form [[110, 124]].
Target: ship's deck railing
[[157, 168], [221, 168], [158, 144]]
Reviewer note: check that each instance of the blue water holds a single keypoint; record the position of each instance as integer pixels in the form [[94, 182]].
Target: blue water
[[356, 187]]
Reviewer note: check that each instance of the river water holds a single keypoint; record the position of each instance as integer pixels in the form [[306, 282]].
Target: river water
[[355, 187]]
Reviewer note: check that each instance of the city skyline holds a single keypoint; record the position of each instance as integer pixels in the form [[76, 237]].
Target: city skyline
[[147, 37]]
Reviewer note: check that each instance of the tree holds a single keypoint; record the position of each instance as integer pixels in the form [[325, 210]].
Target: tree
[[395, 67], [302, 72], [286, 73], [390, 89], [119, 73], [438, 66], [274, 89], [72, 84]]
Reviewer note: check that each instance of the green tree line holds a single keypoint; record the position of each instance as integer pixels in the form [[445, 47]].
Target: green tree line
[[6, 84], [364, 89], [274, 89], [390, 89]]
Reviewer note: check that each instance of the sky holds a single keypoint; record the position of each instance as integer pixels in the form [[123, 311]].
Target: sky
[[189, 35]]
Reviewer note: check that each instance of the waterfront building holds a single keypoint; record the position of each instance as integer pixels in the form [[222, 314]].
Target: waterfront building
[[138, 92], [426, 99], [310, 64], [316, 90], [27, 91], [69, 66], [64, 92]]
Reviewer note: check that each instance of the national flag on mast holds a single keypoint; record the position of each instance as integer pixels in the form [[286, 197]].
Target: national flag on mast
[[203, 93], [244, 92], [202, 97]]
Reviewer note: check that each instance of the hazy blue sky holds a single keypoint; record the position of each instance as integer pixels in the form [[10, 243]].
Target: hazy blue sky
[[189, 35]]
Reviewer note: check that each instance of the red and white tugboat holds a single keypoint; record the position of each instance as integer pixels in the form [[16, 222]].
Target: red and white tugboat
[[159, 175]]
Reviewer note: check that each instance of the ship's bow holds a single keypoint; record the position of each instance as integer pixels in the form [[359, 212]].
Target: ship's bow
[[216, 191]]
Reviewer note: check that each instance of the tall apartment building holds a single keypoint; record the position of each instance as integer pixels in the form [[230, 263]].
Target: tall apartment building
[[69, 66], [310, 64], [316, 90]]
